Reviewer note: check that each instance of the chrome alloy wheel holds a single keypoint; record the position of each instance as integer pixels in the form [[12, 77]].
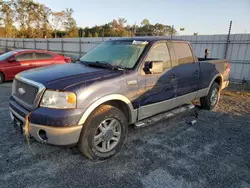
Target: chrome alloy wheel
[[214, 96], [107, 135]]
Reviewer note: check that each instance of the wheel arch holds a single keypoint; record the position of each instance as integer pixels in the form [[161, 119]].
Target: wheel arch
[[117, 100], [217, 79]]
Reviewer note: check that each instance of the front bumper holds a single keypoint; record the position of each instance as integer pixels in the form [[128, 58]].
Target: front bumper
[[54, 135]]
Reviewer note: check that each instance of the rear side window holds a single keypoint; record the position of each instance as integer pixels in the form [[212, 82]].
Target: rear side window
[[183, 52], [159, 52], [43, 56], [24, 57]]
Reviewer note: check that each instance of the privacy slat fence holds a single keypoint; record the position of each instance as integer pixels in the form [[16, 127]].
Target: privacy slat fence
[[238, 48]]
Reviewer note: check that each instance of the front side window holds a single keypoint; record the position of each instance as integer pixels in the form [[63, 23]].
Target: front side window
[[24, 57], [159, 52], [123, 54], [183, 52], [43, 56]]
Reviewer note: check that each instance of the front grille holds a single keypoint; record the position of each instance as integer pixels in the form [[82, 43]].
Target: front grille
[[28, 96]]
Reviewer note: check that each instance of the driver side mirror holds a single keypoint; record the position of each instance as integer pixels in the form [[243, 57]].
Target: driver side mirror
[[153, 67], [12, 59]]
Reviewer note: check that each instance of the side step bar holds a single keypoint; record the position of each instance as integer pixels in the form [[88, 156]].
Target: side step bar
[[162, 116]]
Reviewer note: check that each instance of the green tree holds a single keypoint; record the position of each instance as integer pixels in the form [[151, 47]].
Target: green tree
[[70, 23], [31, 19], [95, 34], [145, 22], [89, 34], [7, 14]]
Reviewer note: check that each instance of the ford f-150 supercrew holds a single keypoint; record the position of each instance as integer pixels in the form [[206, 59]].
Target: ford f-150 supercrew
[[120, 82]]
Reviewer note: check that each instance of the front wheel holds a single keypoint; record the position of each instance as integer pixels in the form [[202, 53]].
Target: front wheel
[[104, 133], [210, 101], [1, 78]]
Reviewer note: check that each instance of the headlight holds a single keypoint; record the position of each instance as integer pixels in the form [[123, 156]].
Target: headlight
[[58, 99]]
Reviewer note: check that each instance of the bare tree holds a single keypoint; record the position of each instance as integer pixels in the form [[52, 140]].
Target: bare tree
[[70, 24], [57, 21]]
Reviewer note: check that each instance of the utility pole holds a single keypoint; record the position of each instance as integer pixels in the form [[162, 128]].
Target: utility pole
[[135, 29], [102, 34], [228, 39], [172, 31]]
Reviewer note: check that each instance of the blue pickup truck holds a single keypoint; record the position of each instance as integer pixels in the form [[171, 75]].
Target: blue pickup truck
[[120, 82]]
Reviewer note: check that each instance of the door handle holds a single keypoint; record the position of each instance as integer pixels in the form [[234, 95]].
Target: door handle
[[196, 72]]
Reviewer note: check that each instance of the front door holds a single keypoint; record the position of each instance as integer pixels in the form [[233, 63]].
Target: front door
[[22, 63], [11, 68], [160, 89]]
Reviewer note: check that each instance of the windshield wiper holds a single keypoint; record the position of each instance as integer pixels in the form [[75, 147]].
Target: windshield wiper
[[103, 64]]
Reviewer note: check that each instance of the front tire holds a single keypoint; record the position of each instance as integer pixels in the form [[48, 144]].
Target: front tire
[[1, 78], [104, 133], [210, 101]]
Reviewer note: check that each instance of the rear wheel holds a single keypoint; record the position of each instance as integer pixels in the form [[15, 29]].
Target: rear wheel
[[1, 78], [103, 133], [210, 101]]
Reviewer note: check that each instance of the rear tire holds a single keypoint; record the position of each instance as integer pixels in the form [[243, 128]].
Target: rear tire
[[104, 133], [210, 101], [1, 78]]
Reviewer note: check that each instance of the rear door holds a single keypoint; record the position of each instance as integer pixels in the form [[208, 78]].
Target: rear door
[[187, 72], [160, 89], [43, 59], [22, 63]]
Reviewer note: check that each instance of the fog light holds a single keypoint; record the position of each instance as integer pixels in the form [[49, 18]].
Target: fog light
[[42, 135]]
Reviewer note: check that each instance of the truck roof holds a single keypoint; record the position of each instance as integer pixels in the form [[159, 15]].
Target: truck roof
[[149, 39]]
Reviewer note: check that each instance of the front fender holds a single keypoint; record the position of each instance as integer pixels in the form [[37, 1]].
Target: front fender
[[94, 105]]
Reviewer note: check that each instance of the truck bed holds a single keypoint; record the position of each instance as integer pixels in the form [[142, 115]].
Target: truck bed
[[222, 66]]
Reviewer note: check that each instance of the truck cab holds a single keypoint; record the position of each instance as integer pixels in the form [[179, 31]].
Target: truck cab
[[120, 82]]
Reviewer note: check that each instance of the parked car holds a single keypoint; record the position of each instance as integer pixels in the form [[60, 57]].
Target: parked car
[[13, 62], [120, 82]]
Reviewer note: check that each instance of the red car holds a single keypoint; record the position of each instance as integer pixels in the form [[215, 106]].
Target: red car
[[13, 62]]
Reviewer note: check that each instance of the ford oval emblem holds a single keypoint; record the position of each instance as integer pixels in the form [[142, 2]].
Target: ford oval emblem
[[21, 91]]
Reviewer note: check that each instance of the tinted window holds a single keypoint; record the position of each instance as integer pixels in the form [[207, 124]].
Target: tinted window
[[24, 57], [43, 56], [159, 52], [183, 53]]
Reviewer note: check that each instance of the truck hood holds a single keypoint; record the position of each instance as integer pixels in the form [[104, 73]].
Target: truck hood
[[60, 77]]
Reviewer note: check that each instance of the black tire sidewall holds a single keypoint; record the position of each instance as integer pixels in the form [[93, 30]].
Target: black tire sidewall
[[91, 126], [2, 78]]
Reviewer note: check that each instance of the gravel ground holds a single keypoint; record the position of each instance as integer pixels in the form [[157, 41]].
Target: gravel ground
[[214, 152]]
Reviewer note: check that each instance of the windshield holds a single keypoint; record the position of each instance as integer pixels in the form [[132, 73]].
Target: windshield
[[6, 55], [117, 53]]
